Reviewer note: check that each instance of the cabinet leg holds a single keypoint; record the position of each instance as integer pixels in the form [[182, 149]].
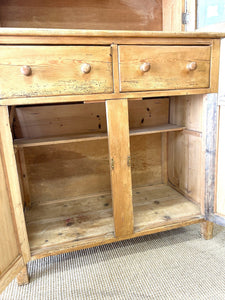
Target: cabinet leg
[[23, 277], [207, 230]]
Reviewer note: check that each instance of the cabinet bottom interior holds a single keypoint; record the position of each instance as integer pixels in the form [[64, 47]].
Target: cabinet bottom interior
[[87, 221]]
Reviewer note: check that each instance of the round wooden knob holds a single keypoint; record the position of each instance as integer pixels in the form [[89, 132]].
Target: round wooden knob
[[192, 66], [86, 68], [26, 70], [145, 67]]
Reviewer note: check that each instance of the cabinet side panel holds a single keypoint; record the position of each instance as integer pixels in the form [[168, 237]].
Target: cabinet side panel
[[220, 204], [185, 151]]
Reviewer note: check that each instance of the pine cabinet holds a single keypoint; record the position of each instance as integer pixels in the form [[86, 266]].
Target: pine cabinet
[[105, 136]]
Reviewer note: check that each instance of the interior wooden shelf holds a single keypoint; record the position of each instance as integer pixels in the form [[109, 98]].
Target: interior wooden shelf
[[21, 143], [82, 220]]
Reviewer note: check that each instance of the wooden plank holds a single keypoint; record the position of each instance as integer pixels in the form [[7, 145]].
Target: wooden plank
[[96, 97], [107, 40], [47, 66], [9, 246], [12, 180], [172, 15], [23, 277], [221, 93], [88, 14], [148, 112], [106, 33], [93, 242], [76, 119], [116, 79], [209, 144], [164, 158], [21, 143], [67, 170], [168, 67], [185, 151], [156, 129], [24, 179], [146, 159], [220, 197], [215, 64], [70, 224], [207, 230], [16, 266], [119, 152]]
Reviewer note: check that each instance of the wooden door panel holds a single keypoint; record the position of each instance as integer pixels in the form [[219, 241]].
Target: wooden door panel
[[119, 151], [14, 248], [11, 261]]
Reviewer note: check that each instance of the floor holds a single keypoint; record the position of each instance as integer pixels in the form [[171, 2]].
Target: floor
[[177, 264]]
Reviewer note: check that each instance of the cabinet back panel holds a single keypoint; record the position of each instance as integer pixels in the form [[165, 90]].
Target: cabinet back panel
[[59, 120], [82, 14], [66, 171]]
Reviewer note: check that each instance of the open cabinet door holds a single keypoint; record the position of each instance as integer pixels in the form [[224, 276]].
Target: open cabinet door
[[219, 208], [14, 249], [215, 150]]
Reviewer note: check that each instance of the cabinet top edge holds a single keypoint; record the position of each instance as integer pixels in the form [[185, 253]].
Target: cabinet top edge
[[106, 33]]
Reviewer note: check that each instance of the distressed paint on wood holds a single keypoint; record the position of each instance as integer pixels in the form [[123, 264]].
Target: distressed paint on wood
[[55, 70], [168, 67]]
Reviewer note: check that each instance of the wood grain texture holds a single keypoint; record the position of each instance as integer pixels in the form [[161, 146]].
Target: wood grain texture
[[168, 67], [9, 247], [21, 143], [49, 121], [209, 146], [12, 181], [107, 33], [215, 64], [70, 223], [83, 14], [101, 97], [185, 149], [13, 270], [23, 277], [119, 151], [172, 15], [220, 198], [55, 70], [207, 230]]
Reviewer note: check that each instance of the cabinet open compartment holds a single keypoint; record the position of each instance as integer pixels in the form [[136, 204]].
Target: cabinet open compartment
[[62, 156], [64, 165], [166, 163]]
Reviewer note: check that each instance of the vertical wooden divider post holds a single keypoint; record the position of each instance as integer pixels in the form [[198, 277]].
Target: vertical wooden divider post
[[119, 153]]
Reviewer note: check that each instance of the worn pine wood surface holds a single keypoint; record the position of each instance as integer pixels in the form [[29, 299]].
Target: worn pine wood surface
[[220, 201], [9, 249], [88, 221], [185, 149], [120, 167], [88, 14], [55, 70], [168, 67], [12, 181]]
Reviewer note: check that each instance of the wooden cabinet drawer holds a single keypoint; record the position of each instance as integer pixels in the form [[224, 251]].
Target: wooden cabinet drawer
[[55, 70], [169, 67]]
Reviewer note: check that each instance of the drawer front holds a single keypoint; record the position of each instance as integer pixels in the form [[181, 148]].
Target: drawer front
[[145, 68], [28, 71]]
